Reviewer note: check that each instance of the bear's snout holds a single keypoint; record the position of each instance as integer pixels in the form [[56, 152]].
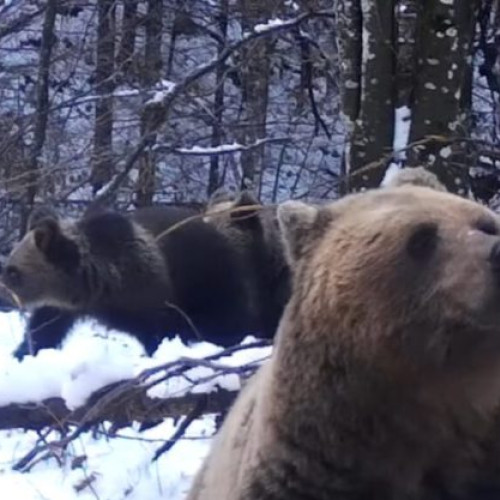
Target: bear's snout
[[495, 257]]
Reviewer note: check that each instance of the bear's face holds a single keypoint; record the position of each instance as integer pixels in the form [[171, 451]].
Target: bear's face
[[42, 268], [414, 271]]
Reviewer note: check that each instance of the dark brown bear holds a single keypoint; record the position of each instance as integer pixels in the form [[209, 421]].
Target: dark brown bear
[[122, 271], [252, 229], [384, 382]]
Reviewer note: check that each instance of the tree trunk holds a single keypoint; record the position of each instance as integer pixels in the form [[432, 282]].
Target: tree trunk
[[42, 110], [214, 175], [125, 54], [102, 160], [255, 86], [372, 129], [152, 72], [349, 43], [444, 49]]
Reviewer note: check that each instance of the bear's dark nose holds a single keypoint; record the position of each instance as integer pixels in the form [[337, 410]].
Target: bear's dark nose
[[495, 257]]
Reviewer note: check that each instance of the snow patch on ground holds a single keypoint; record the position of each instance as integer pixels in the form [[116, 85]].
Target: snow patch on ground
[[114, 468]]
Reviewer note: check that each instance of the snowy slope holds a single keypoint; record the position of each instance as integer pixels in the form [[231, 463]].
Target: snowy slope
[[114, 468]]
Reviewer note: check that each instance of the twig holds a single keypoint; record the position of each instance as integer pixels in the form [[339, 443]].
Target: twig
[[188, 420]]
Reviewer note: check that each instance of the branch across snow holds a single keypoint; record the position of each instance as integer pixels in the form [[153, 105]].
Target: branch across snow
[[113, 468], [94, 357]]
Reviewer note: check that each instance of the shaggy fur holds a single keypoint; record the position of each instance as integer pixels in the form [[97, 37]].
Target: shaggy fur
[[415, 176], [252, 229], [117, 269], [385, 376]]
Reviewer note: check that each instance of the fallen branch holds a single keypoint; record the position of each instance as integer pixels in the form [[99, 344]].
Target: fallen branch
[[130, 406], [127, 401]]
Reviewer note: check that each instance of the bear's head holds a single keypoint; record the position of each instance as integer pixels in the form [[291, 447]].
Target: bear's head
[[248, 224], [41, 268], [399, 277]]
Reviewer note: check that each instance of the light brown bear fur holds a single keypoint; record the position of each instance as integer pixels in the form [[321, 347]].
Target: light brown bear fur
[[385, 373], [415, 176]]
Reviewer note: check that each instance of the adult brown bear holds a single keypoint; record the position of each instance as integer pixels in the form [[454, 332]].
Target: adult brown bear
[[384, 381], [124, 270]]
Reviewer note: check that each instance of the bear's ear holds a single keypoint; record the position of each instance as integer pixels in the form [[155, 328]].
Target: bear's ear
[[300, 225], [56, 247], [220, 195], [247, 204], [46, 232], [39, 213]]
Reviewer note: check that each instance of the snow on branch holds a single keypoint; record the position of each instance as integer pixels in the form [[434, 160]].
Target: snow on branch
[[168, 390], [209, 386], [163, 101], [221, 149]]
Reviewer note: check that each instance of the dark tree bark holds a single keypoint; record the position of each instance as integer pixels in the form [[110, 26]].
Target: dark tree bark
[[102, 159], [42, 109], [444, 46], [152, 72], [255, 69], [214, 175], [349, 43], [125, 54], [368, 87]]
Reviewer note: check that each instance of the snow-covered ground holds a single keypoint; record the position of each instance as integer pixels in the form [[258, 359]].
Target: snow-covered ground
[[112, 468]]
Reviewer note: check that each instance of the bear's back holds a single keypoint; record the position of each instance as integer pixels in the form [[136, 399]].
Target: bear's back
[[210, 276]]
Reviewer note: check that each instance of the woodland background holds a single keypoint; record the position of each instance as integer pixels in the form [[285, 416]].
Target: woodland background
[[134, 102], [127, 103]]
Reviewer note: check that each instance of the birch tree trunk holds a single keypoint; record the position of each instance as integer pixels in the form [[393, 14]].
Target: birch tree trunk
[[444, 55], [367, 51]]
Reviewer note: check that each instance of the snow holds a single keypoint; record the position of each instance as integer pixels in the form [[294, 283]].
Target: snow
[[401, 133], [223, 148], [115, 468], [401, 128], [272, 23], [391, 171], [165, 87]]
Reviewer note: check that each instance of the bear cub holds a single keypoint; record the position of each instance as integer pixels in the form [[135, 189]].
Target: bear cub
[[152, 273]]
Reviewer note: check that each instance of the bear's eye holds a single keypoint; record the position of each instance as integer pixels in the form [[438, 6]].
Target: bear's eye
[[13, 275], [487, 226], [423, 241]]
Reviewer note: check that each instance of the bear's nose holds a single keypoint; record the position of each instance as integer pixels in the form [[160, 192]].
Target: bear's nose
[[495, 257]]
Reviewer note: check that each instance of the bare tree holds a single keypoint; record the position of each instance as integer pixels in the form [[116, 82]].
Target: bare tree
[[214, 174], [150, 120], [255, 67], [125, 55], [367, 55], [42, 109], [444, 55], [102, 160]]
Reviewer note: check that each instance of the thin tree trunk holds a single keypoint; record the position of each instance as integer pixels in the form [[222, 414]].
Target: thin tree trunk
[[373, 131], [214, 174], [349, 43], [444, 46], [255, 86], [102, 160], [42, 109], [146, 181], [125, 54]]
